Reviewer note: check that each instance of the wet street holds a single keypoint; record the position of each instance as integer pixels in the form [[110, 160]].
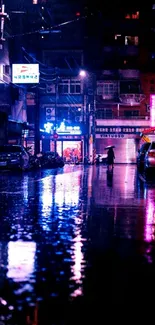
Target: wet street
[[74, 244]]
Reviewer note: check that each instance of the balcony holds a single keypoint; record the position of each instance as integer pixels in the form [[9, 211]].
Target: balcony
[[131, 99], [146, 118], [125, 121]]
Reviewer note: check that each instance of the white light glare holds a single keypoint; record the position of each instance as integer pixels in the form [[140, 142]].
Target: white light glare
[[82, 73], [48, 127]]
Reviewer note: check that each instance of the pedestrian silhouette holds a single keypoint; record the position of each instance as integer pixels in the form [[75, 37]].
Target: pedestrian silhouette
[[110, 158]]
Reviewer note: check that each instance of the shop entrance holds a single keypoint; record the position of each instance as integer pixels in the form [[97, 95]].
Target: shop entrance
[[70, 150]]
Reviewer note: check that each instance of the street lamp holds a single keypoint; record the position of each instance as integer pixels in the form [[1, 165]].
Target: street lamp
[[82, 73], [90, 109]]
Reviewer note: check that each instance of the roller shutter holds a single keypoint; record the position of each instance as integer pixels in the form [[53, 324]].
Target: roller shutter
[[125, 149]]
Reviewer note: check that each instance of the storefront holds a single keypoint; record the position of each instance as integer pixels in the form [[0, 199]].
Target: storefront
[[125, 140], [69, 147], [67, 140]]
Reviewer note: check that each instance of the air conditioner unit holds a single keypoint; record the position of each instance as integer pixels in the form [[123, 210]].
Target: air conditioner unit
[[50, 113], [49, 110]]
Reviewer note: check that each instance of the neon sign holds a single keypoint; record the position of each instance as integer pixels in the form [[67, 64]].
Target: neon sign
[[62, 129], [48, 127], [152, 110], [25, 73]]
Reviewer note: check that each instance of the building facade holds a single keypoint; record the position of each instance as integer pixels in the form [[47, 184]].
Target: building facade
[[5, 104], [122, 110], [64, 113]]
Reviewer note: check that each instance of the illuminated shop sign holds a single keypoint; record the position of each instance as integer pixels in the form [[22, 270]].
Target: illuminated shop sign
[[68, 137], [115, 136], [119, 129], [112, 136], [48, 127], [148, 131], [62, 129], [25, 73]]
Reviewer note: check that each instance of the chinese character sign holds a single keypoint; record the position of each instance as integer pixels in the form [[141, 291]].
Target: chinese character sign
[[25, 73], [152, 110]]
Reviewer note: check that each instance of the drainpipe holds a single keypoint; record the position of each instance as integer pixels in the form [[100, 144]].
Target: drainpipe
[[118, 110]]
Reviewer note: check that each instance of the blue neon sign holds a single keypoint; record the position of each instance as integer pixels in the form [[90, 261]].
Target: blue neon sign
[[62, 129]]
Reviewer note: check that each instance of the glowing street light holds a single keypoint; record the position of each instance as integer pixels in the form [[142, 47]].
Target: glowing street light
[[82, 73]]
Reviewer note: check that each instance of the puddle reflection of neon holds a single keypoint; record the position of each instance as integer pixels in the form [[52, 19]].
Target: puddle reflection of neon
[[149, 218]]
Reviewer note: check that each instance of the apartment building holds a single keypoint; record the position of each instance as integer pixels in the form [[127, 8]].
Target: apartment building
[[121, 99]]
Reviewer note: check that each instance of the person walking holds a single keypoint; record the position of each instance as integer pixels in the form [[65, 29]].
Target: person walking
[[110, 158]]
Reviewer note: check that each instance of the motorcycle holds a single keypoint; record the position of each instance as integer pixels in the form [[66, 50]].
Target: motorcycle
[[51, 160], [34, 160]]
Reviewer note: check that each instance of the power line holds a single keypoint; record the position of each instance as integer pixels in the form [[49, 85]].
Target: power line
[[50, 80], [49, 28], [40, 63]]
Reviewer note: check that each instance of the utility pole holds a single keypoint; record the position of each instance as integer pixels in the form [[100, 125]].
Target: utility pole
[[3, 15], [37, 121], [91, 112], [55, 136]]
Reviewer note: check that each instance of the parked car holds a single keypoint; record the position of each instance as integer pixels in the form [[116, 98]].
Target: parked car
[[141, 155], [14, 156], [51, 159], [149, 161]]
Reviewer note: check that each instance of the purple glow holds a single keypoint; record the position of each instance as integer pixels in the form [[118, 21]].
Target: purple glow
[[150, 216], [21, 260], [152, 110]]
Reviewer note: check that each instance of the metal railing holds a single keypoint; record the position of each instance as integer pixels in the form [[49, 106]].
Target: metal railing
[[147, 118]]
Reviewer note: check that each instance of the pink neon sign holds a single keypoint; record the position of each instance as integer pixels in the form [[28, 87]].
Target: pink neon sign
[[152, 110]]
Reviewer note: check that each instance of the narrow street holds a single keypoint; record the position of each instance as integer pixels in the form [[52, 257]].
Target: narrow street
[[75, 239]]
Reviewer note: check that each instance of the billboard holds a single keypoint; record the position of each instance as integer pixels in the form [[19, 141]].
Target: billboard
[[25, 73]]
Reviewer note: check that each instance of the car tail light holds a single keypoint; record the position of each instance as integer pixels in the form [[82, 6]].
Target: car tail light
[[151, 154]]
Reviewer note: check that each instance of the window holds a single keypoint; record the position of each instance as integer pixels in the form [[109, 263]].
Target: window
[[75, 87], [134, 15], [131, 40], [131, 113], [107, 90], [6, 69], [100, 90], [117, 36], [69, 87], [35, 2], [129, 87], [104, 114]]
